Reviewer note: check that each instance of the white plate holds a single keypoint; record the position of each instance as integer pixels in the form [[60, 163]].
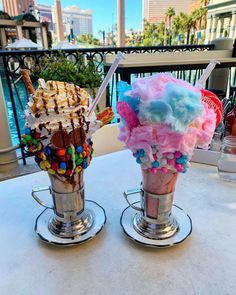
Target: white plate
[[42, 221], [183, 220]]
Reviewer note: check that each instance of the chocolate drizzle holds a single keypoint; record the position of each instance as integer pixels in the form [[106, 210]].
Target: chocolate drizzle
[[67, 96], [44, 104], [77, 93], [56, 106]]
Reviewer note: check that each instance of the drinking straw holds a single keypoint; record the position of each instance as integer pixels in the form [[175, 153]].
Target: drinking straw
[[207, 72], [105, 82]]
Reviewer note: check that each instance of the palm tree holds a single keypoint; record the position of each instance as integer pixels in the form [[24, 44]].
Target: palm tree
[[170, 12], [177, 26], [187, 23]]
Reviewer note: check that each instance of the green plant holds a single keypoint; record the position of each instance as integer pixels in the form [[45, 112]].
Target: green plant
[[58, 67]]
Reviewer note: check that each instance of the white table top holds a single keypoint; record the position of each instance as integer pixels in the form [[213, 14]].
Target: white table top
[[111, 263]]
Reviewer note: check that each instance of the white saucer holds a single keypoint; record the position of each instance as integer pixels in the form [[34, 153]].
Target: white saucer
[[183, 220], [42, 221]]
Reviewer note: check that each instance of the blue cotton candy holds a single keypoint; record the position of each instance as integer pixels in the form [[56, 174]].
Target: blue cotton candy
[[185, 104], [122, 88], [155, 111]]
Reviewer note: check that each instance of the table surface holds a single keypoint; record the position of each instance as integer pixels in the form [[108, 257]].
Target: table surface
[[111, 263]]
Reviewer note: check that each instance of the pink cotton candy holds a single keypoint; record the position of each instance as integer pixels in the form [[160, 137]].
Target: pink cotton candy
[[141, 137], [128, 114], [167, 140], [205, 127], [153, 87]]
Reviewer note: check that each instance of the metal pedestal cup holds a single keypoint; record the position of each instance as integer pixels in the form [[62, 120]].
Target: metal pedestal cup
[[72, 220], [155, 219]]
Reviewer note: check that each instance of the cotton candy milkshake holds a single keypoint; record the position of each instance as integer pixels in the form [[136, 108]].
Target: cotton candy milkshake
[[162, 120]]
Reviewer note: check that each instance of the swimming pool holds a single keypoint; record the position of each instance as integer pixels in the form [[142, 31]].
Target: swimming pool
[[22, 94]]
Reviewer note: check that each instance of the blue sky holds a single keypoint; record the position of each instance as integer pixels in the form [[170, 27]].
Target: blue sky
[[105, 10]]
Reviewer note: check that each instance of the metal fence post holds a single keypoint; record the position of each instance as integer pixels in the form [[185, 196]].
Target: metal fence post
[[8, 158]]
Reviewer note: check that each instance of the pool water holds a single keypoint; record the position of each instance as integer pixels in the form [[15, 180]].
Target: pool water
[[20, 115]]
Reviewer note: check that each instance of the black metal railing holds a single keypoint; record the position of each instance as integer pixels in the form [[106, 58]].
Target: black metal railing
[[14, 61]]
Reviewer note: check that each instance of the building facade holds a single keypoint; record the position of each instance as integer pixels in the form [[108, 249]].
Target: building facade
[[45, 14], [80, 21], [221, 19], [16, 7], [153, 11]]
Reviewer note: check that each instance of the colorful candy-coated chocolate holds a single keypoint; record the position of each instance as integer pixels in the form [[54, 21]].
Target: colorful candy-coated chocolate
[[28, 137], [24, 141], [39, 154], [61, 171], [68, 172], [27, 131], [61, 152], [62, 165], [51, 171], [39, 147], [69, 151], [42, 165], [68, 157], [47, 151], [47, 164], [55, 166], [43, 156], [76, 157], [37, 135], [78, 169], [84, 153], [34, 141], [79, 161], [87, 153], [79, 149]]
